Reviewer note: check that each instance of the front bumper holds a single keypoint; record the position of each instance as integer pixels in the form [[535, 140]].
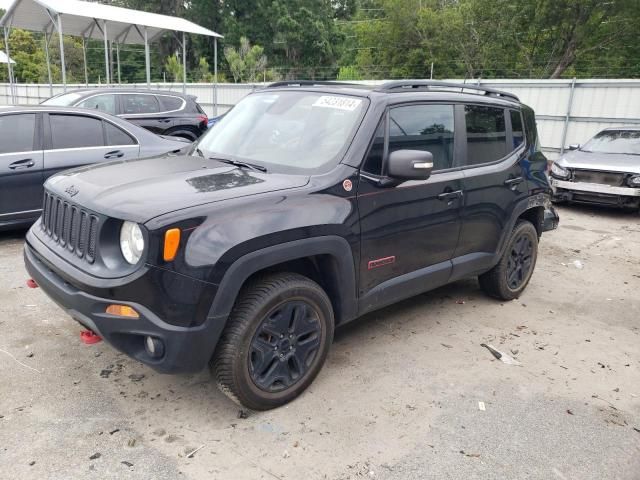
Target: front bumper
[[595, 193], [186, 349]]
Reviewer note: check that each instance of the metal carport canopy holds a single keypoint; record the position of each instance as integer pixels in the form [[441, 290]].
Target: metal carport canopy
[[95, 20]]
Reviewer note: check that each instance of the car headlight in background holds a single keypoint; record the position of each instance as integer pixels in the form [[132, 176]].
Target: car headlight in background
[[558, 171], [634, 181], [131, 242]]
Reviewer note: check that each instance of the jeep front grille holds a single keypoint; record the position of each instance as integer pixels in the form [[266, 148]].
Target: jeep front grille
[[604, 178], [70, 226]]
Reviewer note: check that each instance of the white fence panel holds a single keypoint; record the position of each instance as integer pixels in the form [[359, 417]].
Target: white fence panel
[[567, 111]]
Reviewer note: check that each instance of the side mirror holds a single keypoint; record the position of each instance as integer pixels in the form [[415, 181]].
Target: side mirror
[[410, 164], [574, 146]]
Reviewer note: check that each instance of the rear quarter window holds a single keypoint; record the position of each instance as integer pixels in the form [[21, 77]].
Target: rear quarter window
[[168, 104]]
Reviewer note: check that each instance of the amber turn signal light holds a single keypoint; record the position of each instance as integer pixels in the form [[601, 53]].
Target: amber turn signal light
[[122, 311], [171, 244]]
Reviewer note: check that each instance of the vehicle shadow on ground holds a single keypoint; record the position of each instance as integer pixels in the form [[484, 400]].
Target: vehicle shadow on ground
[[607, 212], [12, 235]]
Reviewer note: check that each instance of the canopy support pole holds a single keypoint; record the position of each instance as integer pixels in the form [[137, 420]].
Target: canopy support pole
[[184, 63], [46, 52], [62, 62], [146, 57], [9, 66], [118, 60], [84, 56], [106, 52], [215, 76]]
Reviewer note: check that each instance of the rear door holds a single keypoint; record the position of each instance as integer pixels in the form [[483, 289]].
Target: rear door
[[73, 140], [21, 162], [144, 109], [494, 182]]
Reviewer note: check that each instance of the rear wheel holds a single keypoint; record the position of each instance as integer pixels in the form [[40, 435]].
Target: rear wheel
[[276, 341], [508, 279]]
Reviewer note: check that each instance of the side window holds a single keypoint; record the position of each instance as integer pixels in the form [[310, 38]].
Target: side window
[[17, 132], [168, 104], [132, 104], [486, 134], [423, 127], [75, 131], [373, 162], [116, 136], [104, 103], [516, 128]]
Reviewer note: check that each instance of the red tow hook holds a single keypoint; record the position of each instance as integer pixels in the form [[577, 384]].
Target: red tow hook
[[89, 338], [31, 283]]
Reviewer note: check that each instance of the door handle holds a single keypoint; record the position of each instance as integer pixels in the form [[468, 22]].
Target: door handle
[[114, 154], [450, 196], [513, 182], [22, 164]]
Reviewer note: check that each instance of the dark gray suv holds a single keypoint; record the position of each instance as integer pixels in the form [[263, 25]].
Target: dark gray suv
[[37, 142]]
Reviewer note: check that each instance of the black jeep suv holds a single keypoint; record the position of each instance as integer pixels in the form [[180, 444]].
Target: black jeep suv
[[161, 112], [307, 206]]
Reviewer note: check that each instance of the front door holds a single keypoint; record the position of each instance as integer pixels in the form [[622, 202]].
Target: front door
[[74, 140], [20, 167], [409, 230]]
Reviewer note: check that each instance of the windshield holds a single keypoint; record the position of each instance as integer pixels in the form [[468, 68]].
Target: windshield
[[614, 141], [296, 132], [65, 100]]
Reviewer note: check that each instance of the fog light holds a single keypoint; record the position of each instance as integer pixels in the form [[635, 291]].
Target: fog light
[[122, 311], [154, 347]]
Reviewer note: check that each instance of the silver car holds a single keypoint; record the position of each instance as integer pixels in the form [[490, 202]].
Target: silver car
[[604, 171], [37, 142]]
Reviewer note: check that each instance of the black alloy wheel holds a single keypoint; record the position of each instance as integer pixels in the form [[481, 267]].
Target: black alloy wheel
[[520, 261], [508, 279], [275, 341], [285, 345]]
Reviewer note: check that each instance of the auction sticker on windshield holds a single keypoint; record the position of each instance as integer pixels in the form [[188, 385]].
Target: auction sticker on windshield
[[341, 103]]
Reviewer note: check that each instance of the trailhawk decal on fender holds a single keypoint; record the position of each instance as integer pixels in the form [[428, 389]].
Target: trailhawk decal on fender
[[381, 262]]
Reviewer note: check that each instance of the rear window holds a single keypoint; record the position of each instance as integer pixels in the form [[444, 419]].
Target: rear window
[[75, 131], [170, 103], [134, 104], [486, 134]]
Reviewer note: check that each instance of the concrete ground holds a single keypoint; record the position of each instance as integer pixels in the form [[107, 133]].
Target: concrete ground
[[399, 397]]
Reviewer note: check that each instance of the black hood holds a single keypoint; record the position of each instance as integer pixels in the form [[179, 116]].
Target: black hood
[[139, 190]]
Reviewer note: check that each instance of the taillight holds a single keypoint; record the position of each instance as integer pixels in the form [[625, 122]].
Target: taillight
[[203, 118]]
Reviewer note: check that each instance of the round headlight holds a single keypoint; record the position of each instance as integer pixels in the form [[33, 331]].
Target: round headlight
[[131, 242], [634, 181], [558, 171]]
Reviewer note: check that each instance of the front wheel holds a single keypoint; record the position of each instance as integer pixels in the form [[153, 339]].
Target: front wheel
[[508, 279], [276, 341]]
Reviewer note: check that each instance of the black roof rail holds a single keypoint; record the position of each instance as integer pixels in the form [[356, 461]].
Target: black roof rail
[[405, 85], [311, 83]]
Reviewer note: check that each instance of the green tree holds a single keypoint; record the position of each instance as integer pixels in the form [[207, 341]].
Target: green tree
[[174, 68], [247, 63]]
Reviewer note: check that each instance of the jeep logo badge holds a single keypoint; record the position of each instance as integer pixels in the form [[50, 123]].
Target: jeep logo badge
[[72, 191]]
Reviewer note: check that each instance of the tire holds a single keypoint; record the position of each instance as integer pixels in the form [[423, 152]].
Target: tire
[[256, 363], [508, 279]]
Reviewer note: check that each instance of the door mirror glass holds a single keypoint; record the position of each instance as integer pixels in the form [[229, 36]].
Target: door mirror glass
[[410, 164], [574, 146]]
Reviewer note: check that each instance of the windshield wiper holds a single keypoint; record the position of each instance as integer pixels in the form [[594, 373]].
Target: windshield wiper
[[238, 163]]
